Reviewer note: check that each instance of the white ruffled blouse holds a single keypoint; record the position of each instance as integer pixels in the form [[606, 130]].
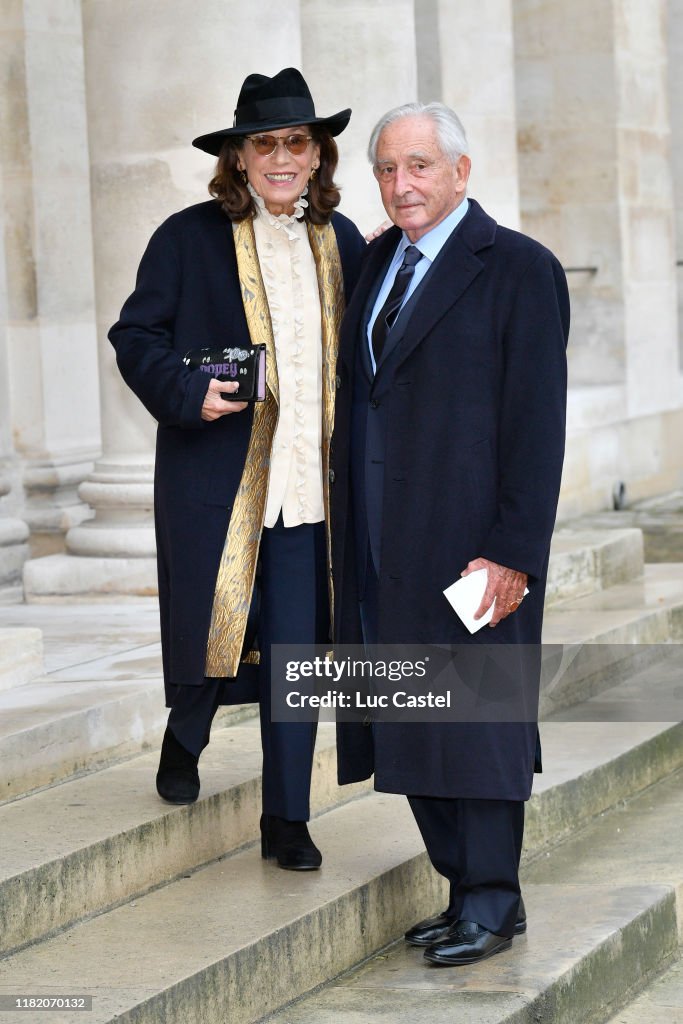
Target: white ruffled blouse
[[289, 276]]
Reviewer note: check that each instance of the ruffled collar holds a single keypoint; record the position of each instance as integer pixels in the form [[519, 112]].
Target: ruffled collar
[[282, 220]]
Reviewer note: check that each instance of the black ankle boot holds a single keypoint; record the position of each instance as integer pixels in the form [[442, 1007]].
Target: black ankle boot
[[177, 778], [290, 843]]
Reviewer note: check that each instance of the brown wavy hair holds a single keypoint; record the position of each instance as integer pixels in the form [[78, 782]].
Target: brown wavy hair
[[231, 191]]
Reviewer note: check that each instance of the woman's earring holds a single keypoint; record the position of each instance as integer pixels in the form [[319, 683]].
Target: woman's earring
[[243, 176], [313, 173]]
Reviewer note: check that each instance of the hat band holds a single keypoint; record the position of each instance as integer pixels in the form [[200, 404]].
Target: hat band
[[294, 108]]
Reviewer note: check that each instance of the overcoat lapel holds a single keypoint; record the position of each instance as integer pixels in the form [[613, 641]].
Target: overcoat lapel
[[364, 296], [454, 270]]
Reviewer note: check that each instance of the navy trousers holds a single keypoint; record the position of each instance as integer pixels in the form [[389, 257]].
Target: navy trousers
[[475, 844], [294, 609]]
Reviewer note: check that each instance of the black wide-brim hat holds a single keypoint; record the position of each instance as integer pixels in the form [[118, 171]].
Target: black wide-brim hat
[[266, 103]]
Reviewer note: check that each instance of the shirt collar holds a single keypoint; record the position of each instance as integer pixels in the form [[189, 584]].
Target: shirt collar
[[431, 244]]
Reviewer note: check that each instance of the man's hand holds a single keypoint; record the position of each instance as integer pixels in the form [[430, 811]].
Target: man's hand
[[506, 586], [214, 406], [379, 230]]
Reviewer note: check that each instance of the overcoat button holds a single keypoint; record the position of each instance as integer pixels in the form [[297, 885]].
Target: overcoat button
[[337, 382], [331, 476], [374, 404]]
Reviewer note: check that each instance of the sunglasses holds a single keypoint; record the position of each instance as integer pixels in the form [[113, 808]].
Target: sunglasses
[[267, 144]]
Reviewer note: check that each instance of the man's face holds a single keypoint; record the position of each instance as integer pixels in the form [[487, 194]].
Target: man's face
[[419, 185]]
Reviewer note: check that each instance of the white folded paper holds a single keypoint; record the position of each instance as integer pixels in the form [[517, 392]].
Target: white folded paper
[[465, 597]]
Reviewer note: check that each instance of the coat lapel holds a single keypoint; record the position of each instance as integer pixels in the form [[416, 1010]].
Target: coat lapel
[[363, 298], [454, 269]]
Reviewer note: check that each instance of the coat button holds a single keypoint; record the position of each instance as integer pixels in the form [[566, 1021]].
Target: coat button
[[374, 404], [337, 382], [331, 476]]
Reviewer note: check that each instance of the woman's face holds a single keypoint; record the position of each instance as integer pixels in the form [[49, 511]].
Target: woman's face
[[281, 176]]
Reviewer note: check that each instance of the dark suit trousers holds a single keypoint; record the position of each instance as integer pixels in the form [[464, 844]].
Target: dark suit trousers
[[475, 844], [294, 609]]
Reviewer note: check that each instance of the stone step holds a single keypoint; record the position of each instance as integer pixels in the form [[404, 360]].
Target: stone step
[[21, 656], [91, 843], [610, 633], [661, 1002], [102, 698], [99, 699], [605, 913], [659, 518], [94, 842], [585, 560], [570, 968], [653, 692], [50, 731], [237, 940]]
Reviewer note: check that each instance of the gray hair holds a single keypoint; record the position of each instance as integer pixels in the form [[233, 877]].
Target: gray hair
[[449, 129]]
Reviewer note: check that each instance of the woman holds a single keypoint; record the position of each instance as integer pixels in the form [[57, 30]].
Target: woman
[[241, 489]]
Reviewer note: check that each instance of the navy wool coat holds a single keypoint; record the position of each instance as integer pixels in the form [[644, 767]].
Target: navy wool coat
[[187, 295], [472, 403]]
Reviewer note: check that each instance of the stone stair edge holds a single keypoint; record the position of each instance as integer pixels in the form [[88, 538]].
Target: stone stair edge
[[366, 907], [90, 738], [600, 980], [584, 560], [366, 903], [71, 743], [110, 870], [136, 734]]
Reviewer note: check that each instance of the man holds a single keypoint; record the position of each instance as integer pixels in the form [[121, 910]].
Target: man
[[448, 448]]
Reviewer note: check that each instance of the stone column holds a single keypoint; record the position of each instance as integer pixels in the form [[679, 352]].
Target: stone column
[[157, 75], [13, 531], [646, 207], [49, 271], [675, 36], [363, 56], [596, 186], [474, 45], [595, 181]]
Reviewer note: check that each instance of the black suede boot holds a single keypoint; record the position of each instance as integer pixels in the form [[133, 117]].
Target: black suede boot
[[289, 843], [178, 777]]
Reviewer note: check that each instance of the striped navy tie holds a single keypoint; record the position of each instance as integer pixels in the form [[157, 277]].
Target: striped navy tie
[[389, 311]]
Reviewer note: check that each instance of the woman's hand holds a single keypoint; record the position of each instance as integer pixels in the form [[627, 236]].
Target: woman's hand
[[379, 230], [214, 406]]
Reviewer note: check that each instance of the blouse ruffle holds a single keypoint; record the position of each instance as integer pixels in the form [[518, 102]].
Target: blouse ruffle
[[284, 236]]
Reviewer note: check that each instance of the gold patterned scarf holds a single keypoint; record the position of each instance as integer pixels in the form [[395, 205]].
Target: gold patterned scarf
[[237, 568]]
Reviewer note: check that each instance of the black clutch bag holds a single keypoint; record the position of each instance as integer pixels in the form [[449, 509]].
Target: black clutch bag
[[246, 366]]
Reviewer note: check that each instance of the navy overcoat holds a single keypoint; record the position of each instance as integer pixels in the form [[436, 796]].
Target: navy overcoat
[[187, 295], [473, 411]]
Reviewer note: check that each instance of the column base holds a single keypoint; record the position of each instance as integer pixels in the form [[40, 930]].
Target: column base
[[112, 555], [53, 506], [72, 577], [13, 553]]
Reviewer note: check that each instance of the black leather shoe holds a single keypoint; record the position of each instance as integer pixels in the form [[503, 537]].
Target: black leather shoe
[[178, 777], [427, 932], [466, 943], [289, 843]]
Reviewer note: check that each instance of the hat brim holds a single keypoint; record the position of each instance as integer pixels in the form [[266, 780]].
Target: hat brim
[[213, 142]]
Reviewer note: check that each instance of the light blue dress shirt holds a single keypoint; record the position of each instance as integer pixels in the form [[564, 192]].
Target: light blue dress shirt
[[430, 245]]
